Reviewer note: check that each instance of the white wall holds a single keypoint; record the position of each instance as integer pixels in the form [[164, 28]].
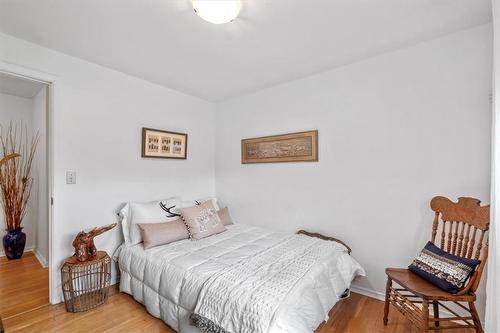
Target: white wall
[[98, 115], [40, 176], [394, 131], [18, 111]]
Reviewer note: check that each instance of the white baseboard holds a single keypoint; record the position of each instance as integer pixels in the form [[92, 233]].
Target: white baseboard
[[368, 292], [41, 258]]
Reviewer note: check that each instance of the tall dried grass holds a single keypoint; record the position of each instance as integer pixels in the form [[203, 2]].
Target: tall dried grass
[[18, 150]]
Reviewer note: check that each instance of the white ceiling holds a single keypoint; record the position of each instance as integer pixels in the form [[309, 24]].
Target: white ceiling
[[12, 85], [272, 41]]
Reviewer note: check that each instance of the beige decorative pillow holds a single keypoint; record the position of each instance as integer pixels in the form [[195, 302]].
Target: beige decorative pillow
[[155, 234], [202, 220], [224, 216]]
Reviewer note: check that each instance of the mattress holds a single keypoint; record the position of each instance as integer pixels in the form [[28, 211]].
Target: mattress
[[168, 279]]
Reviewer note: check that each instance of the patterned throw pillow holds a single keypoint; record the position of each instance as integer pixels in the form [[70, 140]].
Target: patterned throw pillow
[[202, 220], [444, 270]]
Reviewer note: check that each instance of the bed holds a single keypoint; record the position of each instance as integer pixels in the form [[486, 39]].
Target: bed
[[231, 279]]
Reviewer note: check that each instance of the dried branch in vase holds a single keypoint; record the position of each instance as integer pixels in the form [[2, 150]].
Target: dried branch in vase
[[18, 151]]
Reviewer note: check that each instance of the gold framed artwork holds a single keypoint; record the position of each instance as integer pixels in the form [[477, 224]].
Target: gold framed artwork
[[292, 147], [163, 144]]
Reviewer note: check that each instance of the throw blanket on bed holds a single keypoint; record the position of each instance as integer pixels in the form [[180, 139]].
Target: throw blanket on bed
[[245, 297]]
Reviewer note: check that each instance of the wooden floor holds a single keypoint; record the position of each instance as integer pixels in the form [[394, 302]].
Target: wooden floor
[[357, 314], [24, 285]]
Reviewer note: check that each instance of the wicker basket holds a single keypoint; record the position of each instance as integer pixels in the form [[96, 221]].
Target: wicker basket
[[85, 285]]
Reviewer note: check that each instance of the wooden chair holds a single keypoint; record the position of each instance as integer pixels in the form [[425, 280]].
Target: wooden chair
[[463, 233]]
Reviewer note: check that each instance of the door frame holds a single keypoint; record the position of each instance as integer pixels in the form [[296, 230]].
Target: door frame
[[50, 81]]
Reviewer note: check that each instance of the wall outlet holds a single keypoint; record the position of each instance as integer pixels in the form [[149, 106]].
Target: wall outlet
[[70, 177]]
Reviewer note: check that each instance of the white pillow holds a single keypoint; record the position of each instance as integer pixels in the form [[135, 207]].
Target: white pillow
[[146, 212]]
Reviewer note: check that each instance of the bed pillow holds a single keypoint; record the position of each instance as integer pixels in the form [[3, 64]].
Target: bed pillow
[[155, 234], [444, 270], [224, 216], [146, 212], [202, 220]]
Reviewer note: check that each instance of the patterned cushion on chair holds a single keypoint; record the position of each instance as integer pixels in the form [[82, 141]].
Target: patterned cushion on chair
[[444, 270]]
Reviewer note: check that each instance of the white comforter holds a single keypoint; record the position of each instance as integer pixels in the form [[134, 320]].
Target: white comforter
[[168, 279]]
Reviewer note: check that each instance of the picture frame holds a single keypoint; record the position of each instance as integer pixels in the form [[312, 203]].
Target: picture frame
[[290, 147], [163, 144]]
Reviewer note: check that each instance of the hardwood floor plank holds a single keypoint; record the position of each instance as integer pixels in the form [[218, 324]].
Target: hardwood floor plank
[[24, 285]]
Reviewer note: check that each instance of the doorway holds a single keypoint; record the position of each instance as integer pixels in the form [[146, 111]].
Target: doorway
[[25, 281]]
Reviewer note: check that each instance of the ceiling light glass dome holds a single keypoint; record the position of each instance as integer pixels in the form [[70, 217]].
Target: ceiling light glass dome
[[217, 11]]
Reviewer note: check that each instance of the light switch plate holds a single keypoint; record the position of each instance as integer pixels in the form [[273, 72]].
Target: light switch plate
[[70, 177]]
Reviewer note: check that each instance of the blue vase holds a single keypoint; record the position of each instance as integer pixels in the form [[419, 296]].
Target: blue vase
[[13, 243]]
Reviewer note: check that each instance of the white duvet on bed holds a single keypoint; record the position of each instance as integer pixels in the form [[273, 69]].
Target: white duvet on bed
[[168, 279]]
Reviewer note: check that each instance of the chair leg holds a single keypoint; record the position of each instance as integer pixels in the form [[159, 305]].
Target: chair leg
[[475, 317], [386, 306], [435, 307], [425, 316]]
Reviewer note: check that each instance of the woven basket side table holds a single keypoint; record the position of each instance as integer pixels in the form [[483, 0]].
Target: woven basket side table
[[85, 285]]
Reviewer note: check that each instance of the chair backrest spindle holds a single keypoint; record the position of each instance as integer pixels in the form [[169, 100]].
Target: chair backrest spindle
[[450, 235], [479, 246], [466, 241], [460, 239], [455, 237], [472, 242], [443, 234]]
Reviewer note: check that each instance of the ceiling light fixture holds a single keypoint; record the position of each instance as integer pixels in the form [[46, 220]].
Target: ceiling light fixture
[[217, 11]]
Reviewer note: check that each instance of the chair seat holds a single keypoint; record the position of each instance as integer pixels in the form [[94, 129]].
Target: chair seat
[[422, 288]]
